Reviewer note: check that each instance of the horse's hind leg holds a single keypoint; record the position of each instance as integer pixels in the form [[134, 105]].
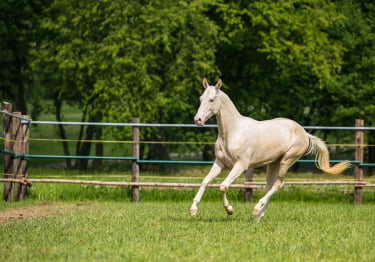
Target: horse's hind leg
[[275, 180], [260, 207], [214, 172]]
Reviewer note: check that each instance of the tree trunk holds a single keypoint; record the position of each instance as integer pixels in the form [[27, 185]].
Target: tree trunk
[[208, 153], [62, 133], [20, 96], [81, 131], [157, 152], [85, 149], [98, 163]]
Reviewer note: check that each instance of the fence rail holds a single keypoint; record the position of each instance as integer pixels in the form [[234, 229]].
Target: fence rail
[[160, 162], [351, 128], [16, 156], [246, 185]]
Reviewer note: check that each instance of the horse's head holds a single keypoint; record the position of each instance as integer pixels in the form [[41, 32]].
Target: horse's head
[[210, 105]]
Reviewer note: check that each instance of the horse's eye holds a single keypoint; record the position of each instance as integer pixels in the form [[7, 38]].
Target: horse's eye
[[211, 100]]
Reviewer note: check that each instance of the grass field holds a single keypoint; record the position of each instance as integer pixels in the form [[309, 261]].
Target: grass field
[[163, 231], [60, 222]]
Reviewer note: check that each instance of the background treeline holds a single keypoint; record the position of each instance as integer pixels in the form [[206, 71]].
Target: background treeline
[[312, 61]]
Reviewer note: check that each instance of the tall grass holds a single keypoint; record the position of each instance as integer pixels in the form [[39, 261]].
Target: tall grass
[[74, 192], [66, 192]]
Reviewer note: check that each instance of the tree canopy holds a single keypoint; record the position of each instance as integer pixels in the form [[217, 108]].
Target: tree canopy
[[282, 57]]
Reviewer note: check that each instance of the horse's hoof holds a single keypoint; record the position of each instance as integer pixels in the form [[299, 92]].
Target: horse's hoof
[[193, 212], [258, 208], [256, 212], [258, 217], [230, 210]]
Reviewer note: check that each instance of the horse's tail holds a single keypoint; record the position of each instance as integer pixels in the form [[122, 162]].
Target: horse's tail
[[319, 148]]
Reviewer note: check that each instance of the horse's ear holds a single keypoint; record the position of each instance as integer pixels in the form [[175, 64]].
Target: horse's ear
[[205, 83], [218, 84]]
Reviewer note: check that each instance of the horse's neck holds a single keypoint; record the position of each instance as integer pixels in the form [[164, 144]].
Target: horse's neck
[[228, 116]]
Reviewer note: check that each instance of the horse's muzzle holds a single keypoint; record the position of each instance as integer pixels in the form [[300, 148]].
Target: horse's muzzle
[[198, 121]]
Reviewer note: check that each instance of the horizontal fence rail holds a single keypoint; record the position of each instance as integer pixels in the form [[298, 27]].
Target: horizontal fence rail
[[253, 185], [352, 128], [25, 119], [122, 184], [160, 162]]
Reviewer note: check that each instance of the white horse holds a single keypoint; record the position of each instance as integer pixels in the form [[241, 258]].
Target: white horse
[[244, 143]]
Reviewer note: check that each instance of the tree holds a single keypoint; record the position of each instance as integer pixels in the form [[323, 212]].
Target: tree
[[18, 21], [355, 89], [312, 61], [124, 59], [279, 57], [177, 51]]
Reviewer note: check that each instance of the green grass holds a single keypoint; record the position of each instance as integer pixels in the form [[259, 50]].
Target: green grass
[[100, 223], [66, 192], [163, 231]]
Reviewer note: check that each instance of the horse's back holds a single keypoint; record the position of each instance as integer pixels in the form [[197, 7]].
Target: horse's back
[[261, 142], [273, 126], [284, 123], [270, 139]]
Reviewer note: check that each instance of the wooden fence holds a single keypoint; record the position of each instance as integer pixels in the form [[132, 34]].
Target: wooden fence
[[16, 143], [16, 155]]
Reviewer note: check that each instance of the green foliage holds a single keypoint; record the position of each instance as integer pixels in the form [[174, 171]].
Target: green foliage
[[356, 88], [281, 57], [124, 59], [310, 60], [18, 26], [133, 60]]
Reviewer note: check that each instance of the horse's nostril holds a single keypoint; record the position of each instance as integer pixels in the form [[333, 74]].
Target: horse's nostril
[[198, 121]]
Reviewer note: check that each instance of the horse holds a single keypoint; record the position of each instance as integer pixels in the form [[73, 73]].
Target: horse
[[244, 143]]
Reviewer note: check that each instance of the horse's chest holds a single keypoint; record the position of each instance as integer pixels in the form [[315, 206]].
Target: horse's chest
[[227, 155]]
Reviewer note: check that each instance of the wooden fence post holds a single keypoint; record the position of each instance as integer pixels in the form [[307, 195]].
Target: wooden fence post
[[8, 163], [24, 162], [358, 171], [17, 149], [135, 166], [249, 191]]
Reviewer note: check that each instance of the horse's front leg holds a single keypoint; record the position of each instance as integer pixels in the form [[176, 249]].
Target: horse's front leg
[[214, 172], [236, 171]]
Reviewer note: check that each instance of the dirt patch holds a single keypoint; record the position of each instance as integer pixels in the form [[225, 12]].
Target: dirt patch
[[43, 210]]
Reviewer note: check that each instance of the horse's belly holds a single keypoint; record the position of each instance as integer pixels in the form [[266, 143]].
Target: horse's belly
[[265, 154], [254, 162]]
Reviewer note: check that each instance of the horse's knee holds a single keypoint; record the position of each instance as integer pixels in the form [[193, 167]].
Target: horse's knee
[[223, 188]]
